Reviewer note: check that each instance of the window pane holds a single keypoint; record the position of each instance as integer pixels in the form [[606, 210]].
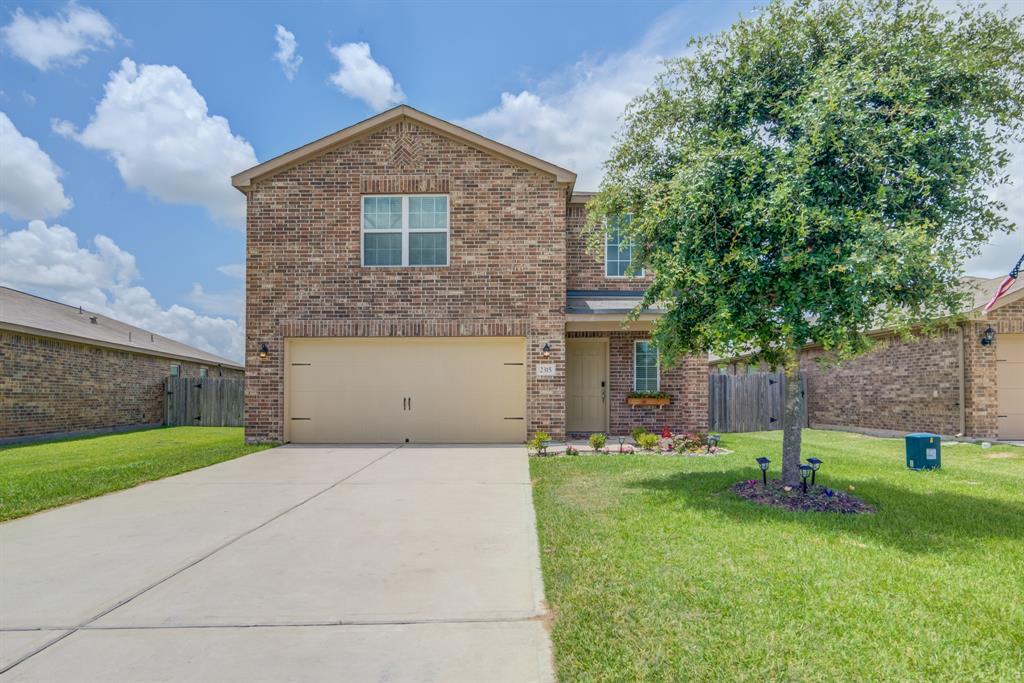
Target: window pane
[[430, 213], [645, 371], [382, 213], [428, 249], [383, 249], [619, 252]]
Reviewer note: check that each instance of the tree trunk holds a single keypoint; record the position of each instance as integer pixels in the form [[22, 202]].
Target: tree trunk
[[792, 423]]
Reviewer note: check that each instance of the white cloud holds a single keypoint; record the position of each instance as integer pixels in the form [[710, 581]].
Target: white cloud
[[285, 54], [570, 118], [30, 184], [233, 269], [360, 76], [48, 260], [230, 303], [156, 127], [64, 38]]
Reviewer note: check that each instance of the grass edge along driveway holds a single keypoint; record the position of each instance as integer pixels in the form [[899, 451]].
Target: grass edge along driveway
[[42, 475], [655, 571]]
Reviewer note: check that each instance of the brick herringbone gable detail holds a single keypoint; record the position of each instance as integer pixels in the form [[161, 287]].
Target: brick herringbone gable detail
[[405, 146]]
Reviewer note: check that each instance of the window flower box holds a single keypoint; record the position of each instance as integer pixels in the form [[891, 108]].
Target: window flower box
[[648, 399]]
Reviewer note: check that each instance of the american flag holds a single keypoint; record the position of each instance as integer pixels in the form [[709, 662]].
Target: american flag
[[1005, 285]]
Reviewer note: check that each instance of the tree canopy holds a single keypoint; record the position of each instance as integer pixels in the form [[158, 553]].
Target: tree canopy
[[818, 170]]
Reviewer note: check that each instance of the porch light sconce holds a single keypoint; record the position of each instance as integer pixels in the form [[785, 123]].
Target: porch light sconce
[[546, 351], [988, 336], [264, 351], [763, 464], [815, 463]]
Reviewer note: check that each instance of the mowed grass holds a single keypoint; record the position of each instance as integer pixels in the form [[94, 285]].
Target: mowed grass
[[654, 571], [37, 476]]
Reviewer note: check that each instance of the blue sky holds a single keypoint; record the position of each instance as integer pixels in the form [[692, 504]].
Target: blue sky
[[129, 174]]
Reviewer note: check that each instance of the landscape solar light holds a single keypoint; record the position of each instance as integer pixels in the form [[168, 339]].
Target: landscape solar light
[[264, 351], [815, 463], [622, 442], [763, 464], [805, 471], [988, 336], [713, 440]]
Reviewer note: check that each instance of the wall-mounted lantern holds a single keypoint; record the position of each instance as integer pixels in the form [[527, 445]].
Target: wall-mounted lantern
[[988, 336], [264, 351], [546, 351]]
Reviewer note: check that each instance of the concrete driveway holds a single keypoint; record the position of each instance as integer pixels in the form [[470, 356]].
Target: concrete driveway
[[396, 563]]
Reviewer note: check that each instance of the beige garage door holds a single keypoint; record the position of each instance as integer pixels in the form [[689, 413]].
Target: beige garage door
[[425, 390], [1010, 382]]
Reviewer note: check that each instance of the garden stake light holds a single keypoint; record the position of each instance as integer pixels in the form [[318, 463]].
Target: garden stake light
[[713, 440], [763, 464], [815, 464], [622, 440], [805, 471]]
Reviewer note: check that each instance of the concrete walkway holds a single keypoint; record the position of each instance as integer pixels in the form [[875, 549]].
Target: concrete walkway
[[339, 563]]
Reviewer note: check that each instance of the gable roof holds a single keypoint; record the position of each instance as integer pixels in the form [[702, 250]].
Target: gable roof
[[24, 312], [244, 180]]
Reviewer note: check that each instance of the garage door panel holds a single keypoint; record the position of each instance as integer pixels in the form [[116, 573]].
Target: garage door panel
[[458, 389], [1010, 385]]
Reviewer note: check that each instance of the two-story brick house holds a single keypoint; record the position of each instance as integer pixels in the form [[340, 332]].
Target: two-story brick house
[[409, 280]]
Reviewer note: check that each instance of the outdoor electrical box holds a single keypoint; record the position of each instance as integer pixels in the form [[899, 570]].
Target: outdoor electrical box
[[924, 451]]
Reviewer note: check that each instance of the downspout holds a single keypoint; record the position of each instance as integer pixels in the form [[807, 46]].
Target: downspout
[[962, 373]]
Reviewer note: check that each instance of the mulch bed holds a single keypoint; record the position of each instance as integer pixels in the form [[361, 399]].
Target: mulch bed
[[817, 498]]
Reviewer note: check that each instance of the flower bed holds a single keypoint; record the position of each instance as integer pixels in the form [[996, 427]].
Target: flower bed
[[817, 498]]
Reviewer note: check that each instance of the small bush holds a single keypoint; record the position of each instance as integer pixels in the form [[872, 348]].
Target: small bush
[[571, 450], [537, 442], [598, 440], [689, 442], [648, 442], [636, 433]]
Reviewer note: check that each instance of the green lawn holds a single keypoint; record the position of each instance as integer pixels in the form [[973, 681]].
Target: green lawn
[[43, 475], [654, 571]]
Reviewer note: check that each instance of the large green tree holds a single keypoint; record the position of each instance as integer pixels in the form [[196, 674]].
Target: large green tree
[[816, 171]]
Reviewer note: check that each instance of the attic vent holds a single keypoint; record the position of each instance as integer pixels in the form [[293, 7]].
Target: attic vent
[[93, 320]]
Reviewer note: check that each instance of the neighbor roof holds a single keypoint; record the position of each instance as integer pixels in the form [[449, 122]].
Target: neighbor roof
[[246, 178], [23, 312]]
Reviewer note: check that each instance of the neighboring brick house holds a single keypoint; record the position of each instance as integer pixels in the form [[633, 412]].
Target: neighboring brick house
[[409, 280], [65, 370], [921, 384]]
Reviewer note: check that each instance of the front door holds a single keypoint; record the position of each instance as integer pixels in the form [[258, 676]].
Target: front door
[[586, 375]]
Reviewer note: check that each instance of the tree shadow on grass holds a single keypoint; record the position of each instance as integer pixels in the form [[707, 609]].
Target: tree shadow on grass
[[911, 521]]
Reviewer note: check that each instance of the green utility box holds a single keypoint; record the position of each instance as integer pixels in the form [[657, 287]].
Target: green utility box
[[924, 451]]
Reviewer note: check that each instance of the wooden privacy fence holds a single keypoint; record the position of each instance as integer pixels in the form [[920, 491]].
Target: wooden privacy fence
[[203, 401], [749, 403]]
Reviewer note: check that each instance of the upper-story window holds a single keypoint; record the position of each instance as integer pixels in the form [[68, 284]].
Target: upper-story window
[[405, 230], [618, 250]]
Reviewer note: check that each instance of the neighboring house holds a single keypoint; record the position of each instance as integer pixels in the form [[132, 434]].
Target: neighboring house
[[66, 370], [951, 383], [409, 280]]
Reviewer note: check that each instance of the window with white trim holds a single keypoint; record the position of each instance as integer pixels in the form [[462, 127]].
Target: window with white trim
[[618, 250], [646, 375], [405, 230]]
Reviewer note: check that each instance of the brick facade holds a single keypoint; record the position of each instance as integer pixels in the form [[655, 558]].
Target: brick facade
[[52, 386], [907, 386], [507, 268], [585, 269]]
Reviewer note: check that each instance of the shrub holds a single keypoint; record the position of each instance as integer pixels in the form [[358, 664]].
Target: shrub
[[636, 432], [537, 442], [689, 442], [598, 440], [648, 442], [571, 450]]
